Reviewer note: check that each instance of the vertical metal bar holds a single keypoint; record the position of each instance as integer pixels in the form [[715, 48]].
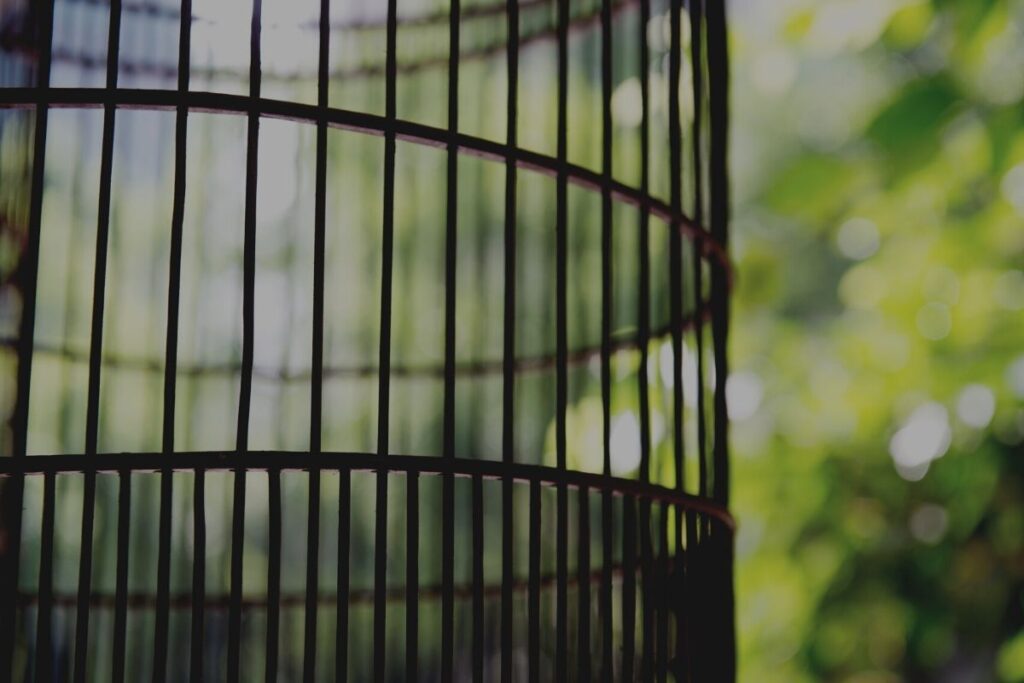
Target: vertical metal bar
[[171, 354], [562, 379], [163, 575], [384, 379], [450, 232], [317, 352], [273, 574], [248, 342], [583, 658], [608, 558], [679, 594], [645, 418], [606, 609], [84, 577], [649, 598], [124, 506], [676, 306], [675, 241], [235, 605], [644, 267], [478, 578], [628, 586], [344, 541], [679, 590], [507, 578], [27, 275], [718, 94], [662, 578], [198, 575], [12, 496], [412, 577], [684, 634], [508, 368], [533, 595], [44, 618], [697, 59], [726, 601], [448, 492], [13, 490], [96, 348], [312, 576], [447, 571], [380, 578]]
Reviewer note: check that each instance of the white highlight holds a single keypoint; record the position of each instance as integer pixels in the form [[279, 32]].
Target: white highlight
[[976, 406], [625, 443], [1015, 376], [857, 238], [627, 104], [923, 438], [743, 394], [1013, 187]]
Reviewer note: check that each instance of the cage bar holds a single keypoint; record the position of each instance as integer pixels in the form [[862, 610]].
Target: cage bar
[[463, 342]]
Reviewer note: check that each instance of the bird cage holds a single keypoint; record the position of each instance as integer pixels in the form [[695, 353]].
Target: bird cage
[[352, 340]]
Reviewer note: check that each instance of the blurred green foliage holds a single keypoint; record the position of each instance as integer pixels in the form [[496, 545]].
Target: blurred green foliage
[[878, 159]]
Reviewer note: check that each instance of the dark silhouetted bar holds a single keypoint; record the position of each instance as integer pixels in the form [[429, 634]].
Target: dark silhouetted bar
[[96, 349], [562, 344], [508, 347], [384, 378], [316, 387], [583, 656], [248, 342], [171, 360], [344, 549], [412, 576]]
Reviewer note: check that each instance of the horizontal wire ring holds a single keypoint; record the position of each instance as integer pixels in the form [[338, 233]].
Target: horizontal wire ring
[[360, 461], [209, 102]]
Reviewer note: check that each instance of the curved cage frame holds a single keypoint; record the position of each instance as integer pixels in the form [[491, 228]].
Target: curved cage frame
[[662, 587]]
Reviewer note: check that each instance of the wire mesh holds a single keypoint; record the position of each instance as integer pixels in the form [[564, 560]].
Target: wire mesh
[[355, 340]]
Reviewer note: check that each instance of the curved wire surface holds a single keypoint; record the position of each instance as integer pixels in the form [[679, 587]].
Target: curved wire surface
[[543, 331]]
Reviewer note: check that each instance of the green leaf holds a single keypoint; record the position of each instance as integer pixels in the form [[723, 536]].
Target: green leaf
[[814, 187], [909, 128]]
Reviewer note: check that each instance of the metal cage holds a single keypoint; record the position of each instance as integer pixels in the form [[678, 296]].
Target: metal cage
[[354, 340]]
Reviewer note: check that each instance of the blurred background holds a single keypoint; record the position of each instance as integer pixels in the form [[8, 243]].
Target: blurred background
[[878, 394]]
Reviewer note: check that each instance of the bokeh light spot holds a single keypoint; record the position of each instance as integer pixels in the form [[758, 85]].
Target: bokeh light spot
[[857, 238], [862, 287], [627, 103], [928, 523], [934, 321], [625, 443], [976, 405], [743, 393], [1015, 377], [1013, 187], [1009, 290], [924, 437]]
